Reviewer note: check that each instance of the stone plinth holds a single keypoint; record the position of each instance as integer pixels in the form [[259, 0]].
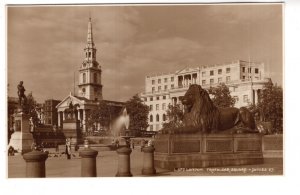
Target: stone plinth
[[124, 162], [207, 150], [35, 163], [71, 130], [148, 161], [21, 140], [88, 162]]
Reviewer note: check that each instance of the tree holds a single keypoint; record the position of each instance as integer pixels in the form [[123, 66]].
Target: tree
[[138, 113], [102, 115], [270, 105], [31, 108], [175, 117], [221, 96]]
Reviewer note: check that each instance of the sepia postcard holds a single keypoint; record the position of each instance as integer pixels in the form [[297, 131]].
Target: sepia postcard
[[135, 90]]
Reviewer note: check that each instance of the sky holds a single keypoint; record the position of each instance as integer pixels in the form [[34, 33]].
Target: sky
[[45, 43]]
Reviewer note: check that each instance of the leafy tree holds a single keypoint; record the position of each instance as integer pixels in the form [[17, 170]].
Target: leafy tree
[[103, 115], [31, 108], [175, 117], [221, 96], [138, 113], [270, 105]]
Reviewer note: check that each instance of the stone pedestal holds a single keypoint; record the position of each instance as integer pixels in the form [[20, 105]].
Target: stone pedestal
[[88, 162], [148, 161], [71, 130], [207, 150], [21, 140], [124, 162], [35, 163]]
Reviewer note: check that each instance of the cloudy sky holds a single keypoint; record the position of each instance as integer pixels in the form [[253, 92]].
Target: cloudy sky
[[45, 44]]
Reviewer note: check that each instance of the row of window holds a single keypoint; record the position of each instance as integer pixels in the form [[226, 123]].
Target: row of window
[[157, 118], [84, 79], [157, 98], [160, 80], [165, 88], [256, 70], [163, 107], [220, 80], [212, 72]]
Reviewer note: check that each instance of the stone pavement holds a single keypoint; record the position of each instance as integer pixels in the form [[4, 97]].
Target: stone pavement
[[107, 167]]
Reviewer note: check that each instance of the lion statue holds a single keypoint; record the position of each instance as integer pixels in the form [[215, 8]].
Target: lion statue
[[202, 116]]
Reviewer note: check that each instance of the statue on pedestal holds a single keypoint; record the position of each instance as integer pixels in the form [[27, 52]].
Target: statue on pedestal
[[21, 94]]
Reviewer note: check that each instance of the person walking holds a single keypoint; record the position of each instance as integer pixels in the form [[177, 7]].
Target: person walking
[[68, 149]]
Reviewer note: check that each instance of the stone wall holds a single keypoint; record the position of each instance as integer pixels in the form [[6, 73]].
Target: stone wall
[[272, 146]]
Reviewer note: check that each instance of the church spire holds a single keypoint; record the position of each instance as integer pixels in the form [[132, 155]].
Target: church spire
[[90, 41]]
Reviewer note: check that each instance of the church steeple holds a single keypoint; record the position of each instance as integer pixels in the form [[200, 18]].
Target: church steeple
[[90, 41], [90, 85]]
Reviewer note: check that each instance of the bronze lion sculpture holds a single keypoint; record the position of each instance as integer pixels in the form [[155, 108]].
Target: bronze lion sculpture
[[202, 116]]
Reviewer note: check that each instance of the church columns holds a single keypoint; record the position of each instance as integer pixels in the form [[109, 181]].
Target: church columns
[[84, 121]]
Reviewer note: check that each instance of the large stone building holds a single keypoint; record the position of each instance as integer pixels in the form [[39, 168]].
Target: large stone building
[[50, 112], [244, 79], [89, 87]]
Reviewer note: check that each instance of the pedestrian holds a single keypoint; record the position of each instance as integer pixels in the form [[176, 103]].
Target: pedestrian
[[117, 143], [132, 144], [68, 149]]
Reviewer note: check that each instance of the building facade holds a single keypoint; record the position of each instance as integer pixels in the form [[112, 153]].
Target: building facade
[[50, 112], [244, 79], [89, 87]]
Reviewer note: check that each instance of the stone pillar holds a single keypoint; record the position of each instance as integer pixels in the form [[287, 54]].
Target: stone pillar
[[88, 162], [124, 162], [35, 163], [58, 119], [84, 121], [148, 161]]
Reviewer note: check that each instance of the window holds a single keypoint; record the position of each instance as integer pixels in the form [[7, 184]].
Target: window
[[256, 70], [166, 80], [227, 79], [157, 106], [164, 106], [159, 80], [249, 70], [172, 86], [245, 98], [83, 90], [243, 69], [159, 88], [164, 97], [220, 71], [151, 98], [211, 73], [95, 90], [90, 54], [153, 82], [157, 98], [172, 79], [151, 127], [203, 82], [157, 118], [220, 80], [151, 107], [244, 77], [227, 70], [153, 89], [151, 118], [145, 99], [95, 78], [166, 87], [83, 78], [203, 74], [164, 117], [211, 81]]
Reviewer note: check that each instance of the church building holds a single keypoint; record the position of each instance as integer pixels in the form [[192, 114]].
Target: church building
[[89, 87]]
